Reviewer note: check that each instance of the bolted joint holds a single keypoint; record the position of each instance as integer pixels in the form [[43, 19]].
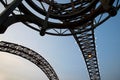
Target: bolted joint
[[112, 12], [42, 32]]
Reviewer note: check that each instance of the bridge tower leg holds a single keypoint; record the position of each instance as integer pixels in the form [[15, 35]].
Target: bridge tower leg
[[86, 42]]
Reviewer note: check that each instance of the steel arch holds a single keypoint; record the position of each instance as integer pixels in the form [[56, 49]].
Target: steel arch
[[30, 55], [81, 24], [91, 13]]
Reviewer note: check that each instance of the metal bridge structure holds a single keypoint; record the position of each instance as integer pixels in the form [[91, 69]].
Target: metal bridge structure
[[30, 55], [77, 18]]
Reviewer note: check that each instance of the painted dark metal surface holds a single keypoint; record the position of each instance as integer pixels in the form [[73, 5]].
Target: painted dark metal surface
[[78, 18], [30, 55]]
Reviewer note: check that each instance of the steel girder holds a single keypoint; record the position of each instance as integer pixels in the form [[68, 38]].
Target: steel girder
[[9, 9], [30, 55], [86, 42], [82, 16], [83, 34], [63, 10]]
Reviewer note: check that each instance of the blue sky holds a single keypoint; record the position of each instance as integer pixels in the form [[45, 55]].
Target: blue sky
[[109, 48], [62, 53]]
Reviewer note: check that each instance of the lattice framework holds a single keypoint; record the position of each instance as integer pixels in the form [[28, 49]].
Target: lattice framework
[[78, 18], [30, 55]]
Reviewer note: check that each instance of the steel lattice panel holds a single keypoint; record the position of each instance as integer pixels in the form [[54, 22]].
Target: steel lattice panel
[[30, 55], [86, 42]]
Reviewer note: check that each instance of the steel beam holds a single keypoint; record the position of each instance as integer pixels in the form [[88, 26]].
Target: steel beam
[[86, 43], [30, 55], [8, 10]]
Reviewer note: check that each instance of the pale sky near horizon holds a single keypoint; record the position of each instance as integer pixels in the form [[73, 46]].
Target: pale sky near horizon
[[62, 53]]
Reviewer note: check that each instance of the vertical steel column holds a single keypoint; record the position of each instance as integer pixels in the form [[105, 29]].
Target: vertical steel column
[[86, 42], [42, 32]]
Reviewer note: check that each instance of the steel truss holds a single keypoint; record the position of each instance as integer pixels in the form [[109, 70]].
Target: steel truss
[[86, 42], [76, 12], [30, 55], [78, 18]]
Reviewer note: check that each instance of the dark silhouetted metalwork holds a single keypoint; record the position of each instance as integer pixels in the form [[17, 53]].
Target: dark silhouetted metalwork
[[86, 42], [30, 55], [78, 18]]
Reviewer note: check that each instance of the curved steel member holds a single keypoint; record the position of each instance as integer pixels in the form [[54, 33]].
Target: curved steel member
[[30, 55], [64, 8]]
